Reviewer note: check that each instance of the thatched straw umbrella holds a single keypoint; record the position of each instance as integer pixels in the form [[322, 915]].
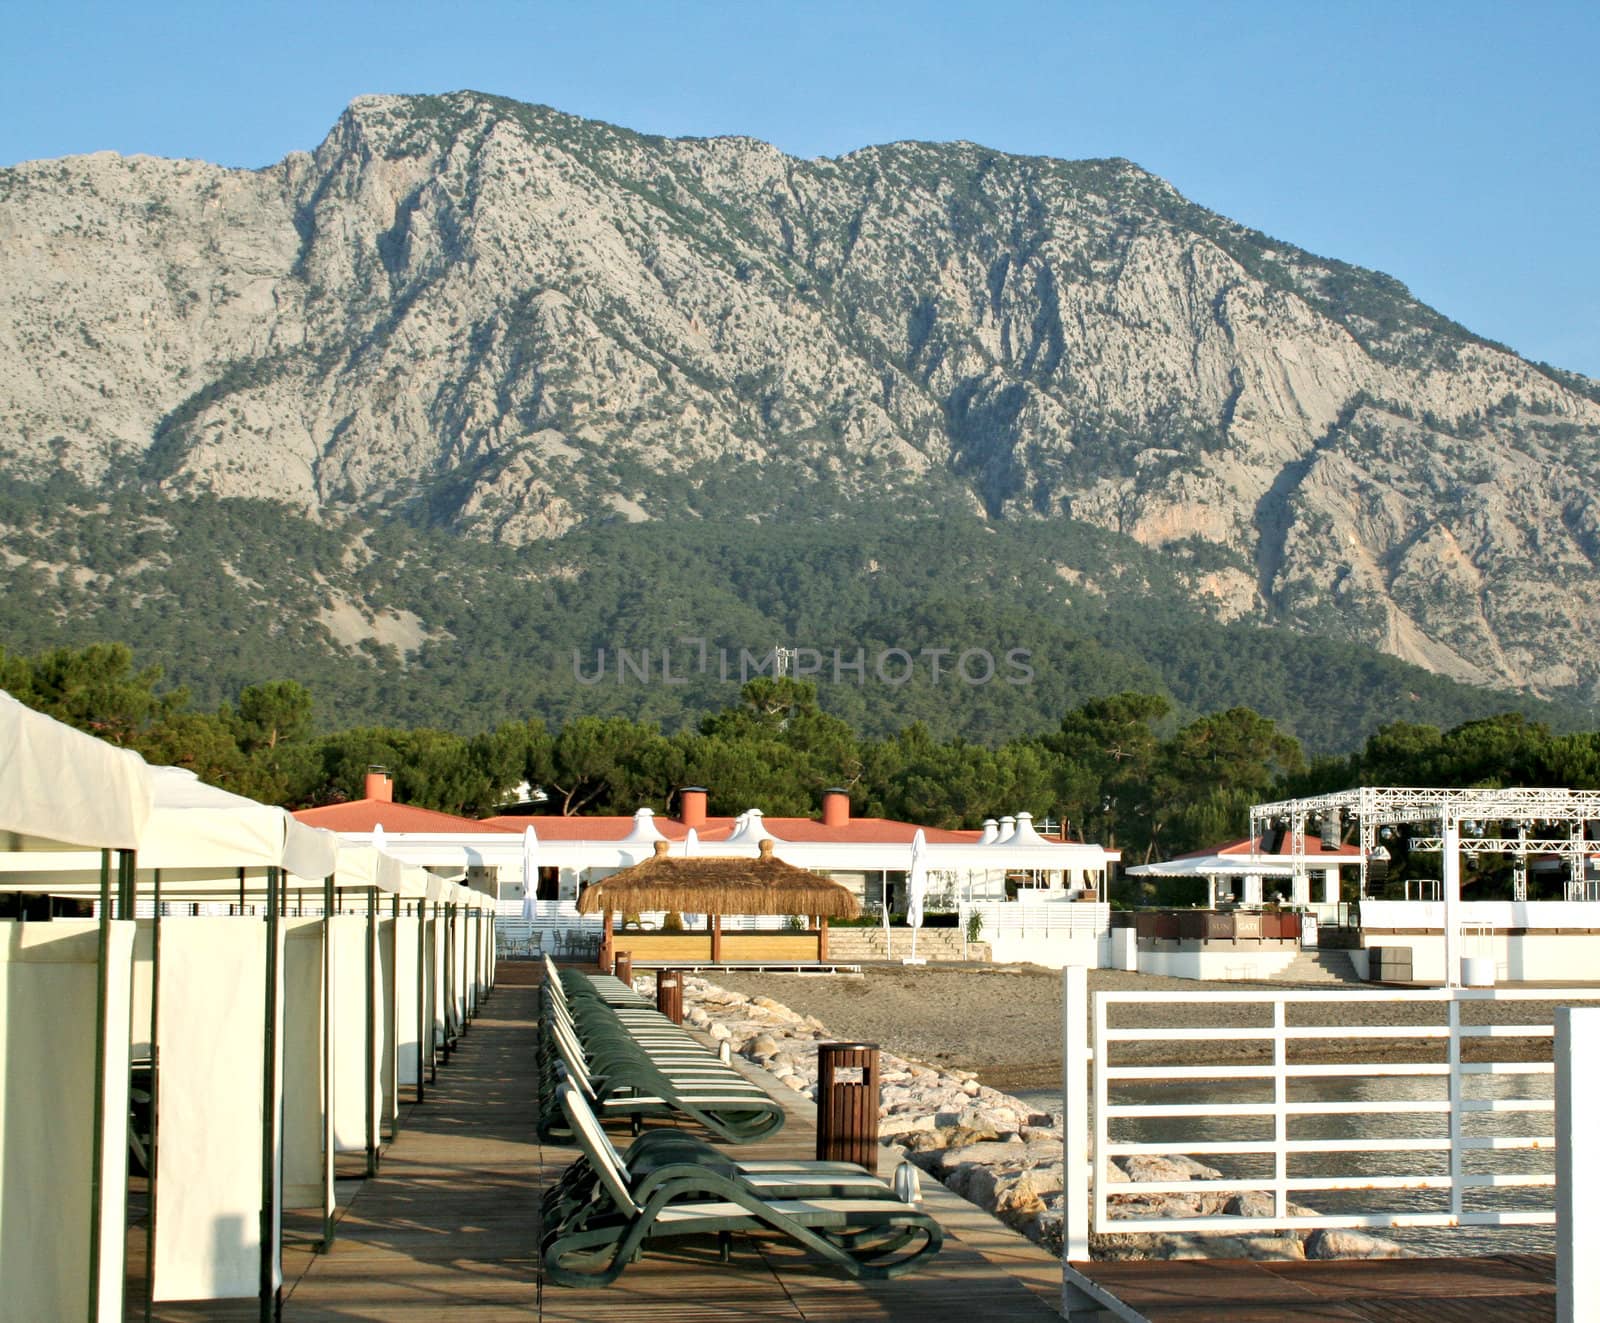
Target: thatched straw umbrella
[[717, 886]]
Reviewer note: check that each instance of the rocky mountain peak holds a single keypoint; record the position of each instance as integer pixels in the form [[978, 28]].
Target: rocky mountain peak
[[498, 316]]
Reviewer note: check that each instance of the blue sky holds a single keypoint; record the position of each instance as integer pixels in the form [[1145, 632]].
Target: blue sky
[[1454, 145]]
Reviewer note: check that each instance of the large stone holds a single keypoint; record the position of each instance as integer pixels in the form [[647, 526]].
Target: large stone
[[1166, 1206], [987, 1153], [903, 1123], [1332, 1243], [1167, 1167], [1258, 1204], [1023, 1195]]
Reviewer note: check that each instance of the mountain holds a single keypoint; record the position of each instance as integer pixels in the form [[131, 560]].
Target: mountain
[[483, 318]]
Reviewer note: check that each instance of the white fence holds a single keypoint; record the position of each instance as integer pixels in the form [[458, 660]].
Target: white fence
[[558, 929], [1284, 1148], [1076, 917]]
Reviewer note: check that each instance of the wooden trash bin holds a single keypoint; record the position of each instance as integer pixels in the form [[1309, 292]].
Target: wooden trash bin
[[669, 994], [623, 967], [847, 1109]]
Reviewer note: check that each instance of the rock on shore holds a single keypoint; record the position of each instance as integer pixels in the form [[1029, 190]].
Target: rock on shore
[[996, 1150]]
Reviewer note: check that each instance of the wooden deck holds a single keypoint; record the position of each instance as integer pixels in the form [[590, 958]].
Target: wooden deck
[[1502, 1288], [449, 1229]]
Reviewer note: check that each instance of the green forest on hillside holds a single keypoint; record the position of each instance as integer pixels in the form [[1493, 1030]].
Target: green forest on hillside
[[662, 623], [1120, 769]]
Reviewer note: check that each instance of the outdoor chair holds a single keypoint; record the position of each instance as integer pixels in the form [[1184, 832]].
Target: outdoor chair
[[727, 1104], [590, 1243], [656, 1150], [639, 1067]]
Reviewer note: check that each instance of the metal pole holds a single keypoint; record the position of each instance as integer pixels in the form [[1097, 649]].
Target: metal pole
[[449, 974], [155, 1103], [394, 1019], [1075, 1112], [1450, 857], [424, 978], [888, 941], [433, 990], [126, 888], [476, 957], [96, 1144], [1577, 1053], [372, 1031], [269, 1098], [327, 1059]]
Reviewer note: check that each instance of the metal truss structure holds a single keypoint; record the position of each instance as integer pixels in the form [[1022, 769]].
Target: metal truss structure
[[1548, 821]]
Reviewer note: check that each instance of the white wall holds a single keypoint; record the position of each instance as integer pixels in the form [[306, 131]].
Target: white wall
[[1573, 957], [1242, 962], [1498, 913], [1054, 950]]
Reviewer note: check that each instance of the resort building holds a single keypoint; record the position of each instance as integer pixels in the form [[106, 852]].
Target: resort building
[[1006, 860], [1468, 840], [1258, 869]]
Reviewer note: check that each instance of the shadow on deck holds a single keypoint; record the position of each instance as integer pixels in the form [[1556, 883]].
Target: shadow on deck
[[449, 1228]]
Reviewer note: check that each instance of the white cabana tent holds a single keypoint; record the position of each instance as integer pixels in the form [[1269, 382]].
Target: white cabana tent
[[64, 1006], [226, 1006], [63, 787]]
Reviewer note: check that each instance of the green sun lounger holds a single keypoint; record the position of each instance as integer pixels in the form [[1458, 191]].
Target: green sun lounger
[[656, 1150], [641, 1066], [594, 1242]]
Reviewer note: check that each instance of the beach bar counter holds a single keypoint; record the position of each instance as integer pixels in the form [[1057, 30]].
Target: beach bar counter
[[1216, 944]]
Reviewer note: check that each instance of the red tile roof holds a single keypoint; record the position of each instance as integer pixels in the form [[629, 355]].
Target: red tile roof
[[362, 815], [860, 831], [1247, 846], [604, 827], [864, 831]]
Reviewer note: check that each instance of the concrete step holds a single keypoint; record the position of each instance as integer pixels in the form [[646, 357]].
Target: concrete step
[[1317, 966]]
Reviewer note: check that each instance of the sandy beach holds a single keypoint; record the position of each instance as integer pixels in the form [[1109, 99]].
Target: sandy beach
[[1004, 1021]]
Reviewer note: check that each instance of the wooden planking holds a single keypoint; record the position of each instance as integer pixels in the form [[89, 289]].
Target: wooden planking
[[449, 1227], [1513, 1288], [769, 946], [664, 946]]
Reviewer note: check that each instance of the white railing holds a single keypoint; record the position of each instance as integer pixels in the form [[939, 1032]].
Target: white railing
[[1482, 1108], [1083, 918], [544, 911], [558, 928]]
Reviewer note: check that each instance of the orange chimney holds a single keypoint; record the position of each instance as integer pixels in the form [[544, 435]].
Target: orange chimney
[[692, 806], [379, 786], [835, 808]]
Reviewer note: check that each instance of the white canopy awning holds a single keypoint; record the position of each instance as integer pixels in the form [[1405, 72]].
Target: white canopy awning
[[1213, 865], [60, 785], [195, 825]]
